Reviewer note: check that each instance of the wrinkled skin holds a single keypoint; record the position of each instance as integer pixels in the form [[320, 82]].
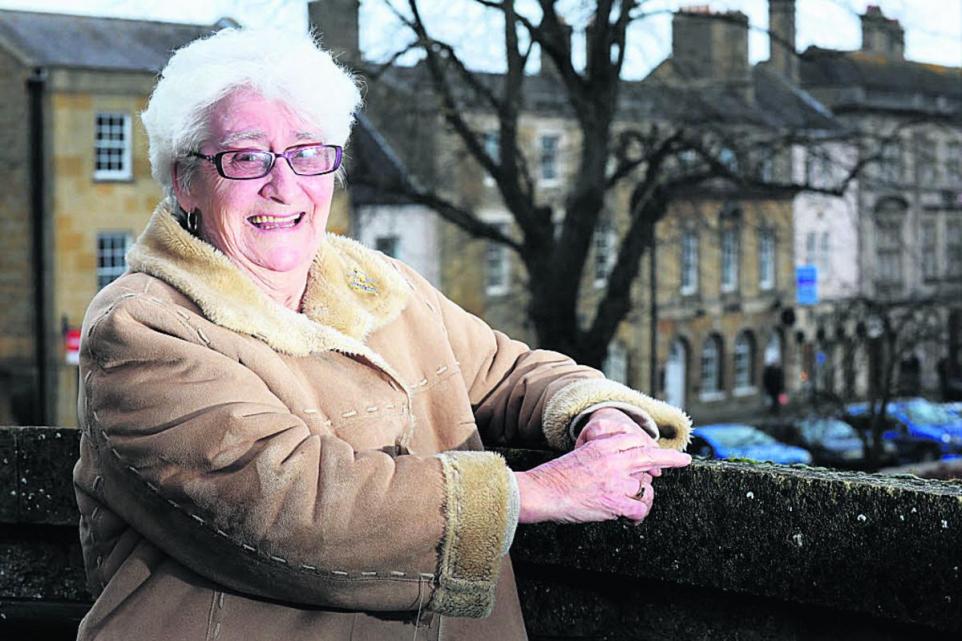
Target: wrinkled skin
[[608, 475], [276, 260]]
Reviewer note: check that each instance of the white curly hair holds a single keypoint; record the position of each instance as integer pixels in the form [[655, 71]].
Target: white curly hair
[[277, 64]]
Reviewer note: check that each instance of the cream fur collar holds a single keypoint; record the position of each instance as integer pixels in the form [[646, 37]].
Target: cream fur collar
[[351, 290]]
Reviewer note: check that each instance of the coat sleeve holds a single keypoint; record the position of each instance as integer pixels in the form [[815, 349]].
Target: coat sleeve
[[197, 454], [532, 396]]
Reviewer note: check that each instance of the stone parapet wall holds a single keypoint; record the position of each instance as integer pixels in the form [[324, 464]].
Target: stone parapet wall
[[731, 551]]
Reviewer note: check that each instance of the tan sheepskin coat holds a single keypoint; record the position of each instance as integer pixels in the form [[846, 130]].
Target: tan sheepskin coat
[[248, 472]]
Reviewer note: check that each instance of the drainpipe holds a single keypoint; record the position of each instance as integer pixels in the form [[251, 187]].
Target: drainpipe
[[35, 89], [653, 316]]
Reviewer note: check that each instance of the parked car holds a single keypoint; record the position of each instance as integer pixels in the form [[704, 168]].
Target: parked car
[[831, 441], [954, 408], [734, 440], [921, 430]]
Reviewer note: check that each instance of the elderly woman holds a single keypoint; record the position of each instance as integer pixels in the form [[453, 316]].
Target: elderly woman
[[282, 429]]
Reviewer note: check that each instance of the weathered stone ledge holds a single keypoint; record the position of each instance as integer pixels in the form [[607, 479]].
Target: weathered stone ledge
[[886, 546]]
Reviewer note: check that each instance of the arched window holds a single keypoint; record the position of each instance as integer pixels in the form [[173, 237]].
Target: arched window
[[744, 361], [711, 372]]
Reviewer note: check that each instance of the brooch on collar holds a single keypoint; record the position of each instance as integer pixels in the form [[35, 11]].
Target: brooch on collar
[[361, 283]]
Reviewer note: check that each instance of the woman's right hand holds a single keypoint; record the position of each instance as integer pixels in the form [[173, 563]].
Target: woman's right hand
[[599, 481]]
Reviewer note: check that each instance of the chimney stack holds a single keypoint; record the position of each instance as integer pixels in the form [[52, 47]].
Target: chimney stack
[[548, 66], [882, 35], [708, 45], [781, 34], [336, 21]]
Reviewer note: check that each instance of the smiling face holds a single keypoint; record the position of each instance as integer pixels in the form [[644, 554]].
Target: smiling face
[[270, 227]]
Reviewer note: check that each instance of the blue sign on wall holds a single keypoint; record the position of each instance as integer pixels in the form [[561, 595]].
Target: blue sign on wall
[[806, 285]]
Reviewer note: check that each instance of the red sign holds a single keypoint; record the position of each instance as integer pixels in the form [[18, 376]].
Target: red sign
[[71, 346]]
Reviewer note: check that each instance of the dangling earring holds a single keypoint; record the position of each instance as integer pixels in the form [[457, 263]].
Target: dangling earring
[[193, 221]]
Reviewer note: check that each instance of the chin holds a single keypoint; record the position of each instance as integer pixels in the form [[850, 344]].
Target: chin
[[286, 261]]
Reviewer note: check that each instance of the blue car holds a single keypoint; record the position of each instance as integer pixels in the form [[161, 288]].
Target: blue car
[[831, 442], [920, 429], [734, 440]]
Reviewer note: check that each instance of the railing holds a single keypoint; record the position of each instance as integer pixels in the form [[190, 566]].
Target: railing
[[731, 550]]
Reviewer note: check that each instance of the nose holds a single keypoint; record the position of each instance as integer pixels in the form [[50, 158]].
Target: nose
[[281, 183]]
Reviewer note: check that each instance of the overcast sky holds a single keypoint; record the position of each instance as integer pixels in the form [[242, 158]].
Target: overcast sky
[[933, 28]]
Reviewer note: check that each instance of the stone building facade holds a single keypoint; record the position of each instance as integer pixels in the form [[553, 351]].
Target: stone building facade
[[908, 120]]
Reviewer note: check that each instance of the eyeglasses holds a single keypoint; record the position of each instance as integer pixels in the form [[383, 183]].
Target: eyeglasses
[[247, 164]]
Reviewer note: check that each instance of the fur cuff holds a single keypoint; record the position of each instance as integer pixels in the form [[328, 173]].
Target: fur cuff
[[674, 426], [478, 522]]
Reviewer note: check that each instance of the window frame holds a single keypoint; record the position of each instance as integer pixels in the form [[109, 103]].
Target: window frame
[[108, 273], [928, 243], [952, 174], [502, 258], [953, 246], [766, 249], [689, 262], [125, 145], [889, 230], [491, 143], [730, 259], [394, 240], [743, 364], [603, 244], [554, 164], [716, 390]]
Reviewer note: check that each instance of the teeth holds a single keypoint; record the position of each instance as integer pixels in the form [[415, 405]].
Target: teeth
[[257, 220]]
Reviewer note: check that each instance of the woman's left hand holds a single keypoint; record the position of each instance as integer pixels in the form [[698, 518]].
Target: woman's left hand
[[609, 421]]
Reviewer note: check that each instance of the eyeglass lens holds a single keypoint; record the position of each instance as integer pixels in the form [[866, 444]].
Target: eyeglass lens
[[308, 160]]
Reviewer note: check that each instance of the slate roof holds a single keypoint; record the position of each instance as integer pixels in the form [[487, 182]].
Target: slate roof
[[60, 40], [375, 173], [777, 103], [879, 75], [774, 102]]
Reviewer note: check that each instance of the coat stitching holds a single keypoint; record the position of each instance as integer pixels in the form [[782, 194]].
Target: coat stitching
[[99, 481]]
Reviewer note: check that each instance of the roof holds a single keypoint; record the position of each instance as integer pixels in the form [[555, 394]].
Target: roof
[[776, 104], [767, 101], [879, 76], [375, 173], [59, 40]]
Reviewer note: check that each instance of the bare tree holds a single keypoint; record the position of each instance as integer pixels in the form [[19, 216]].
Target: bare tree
[[653, 156]]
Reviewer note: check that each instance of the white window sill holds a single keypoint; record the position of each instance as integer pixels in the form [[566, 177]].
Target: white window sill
[[500, 290], [113, 177], [745, 391], [688, 291], [711, 397]]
